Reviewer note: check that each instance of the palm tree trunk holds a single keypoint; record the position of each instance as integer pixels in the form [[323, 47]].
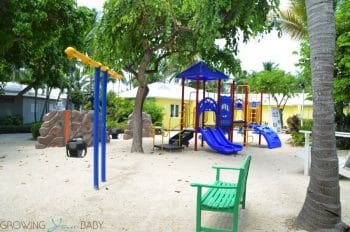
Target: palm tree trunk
[[322, 209]]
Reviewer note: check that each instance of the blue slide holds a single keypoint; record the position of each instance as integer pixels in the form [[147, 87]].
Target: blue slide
[[270, 136], [217, 141]]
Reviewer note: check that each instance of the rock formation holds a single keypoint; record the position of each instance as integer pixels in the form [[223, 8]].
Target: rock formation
[[146, 130], [52, 131]]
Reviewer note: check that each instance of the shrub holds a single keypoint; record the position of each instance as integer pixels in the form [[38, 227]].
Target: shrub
[[343, 143], [298, 139], [122, 126], [15, 120], [14, 129], [118, 109], [35, 129], [307, 125], [293, 124], [154, 110], [111, 124], [343, 125]]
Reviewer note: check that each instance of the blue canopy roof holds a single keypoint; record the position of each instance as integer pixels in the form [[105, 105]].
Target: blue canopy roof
[[201, 71]]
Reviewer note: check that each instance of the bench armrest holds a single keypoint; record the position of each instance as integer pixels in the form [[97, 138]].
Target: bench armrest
[[212, 186], [227, 168], [218, 169]]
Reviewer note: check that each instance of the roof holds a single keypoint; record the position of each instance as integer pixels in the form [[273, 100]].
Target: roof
[[296, 100], [166, 90], [13, 88], [201, 71], [173, 91]]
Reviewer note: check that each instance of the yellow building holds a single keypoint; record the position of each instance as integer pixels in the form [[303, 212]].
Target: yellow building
[[294, 106], [168, 96]]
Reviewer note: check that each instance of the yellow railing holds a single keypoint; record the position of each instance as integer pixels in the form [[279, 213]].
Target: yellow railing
[[159, 126], [164, 132], [72, 53]]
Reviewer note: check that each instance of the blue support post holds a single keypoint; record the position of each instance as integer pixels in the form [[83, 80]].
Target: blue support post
[[103, 126], [96, 122]]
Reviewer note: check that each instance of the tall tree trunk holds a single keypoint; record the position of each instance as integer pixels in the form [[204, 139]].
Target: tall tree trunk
[[322, 209], [142, 92], [281, 116], [141, 95]]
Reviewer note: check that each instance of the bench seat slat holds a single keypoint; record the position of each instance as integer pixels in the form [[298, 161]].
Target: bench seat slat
[[220, 198]]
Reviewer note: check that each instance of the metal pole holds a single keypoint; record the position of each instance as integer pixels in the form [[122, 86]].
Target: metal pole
[[67, 125], [245, 123], [232, 94], [202, 142], [261, 113], [182, 104], [219, 104], [196, 117], [96, 121], [103, 125], [302, 110]]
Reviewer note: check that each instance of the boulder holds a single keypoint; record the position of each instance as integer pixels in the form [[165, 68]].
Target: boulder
[[146, 130]]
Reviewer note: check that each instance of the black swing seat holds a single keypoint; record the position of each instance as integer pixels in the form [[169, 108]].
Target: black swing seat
[[76, 148]]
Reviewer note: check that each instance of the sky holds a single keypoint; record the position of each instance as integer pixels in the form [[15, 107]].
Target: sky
[[252, 54]]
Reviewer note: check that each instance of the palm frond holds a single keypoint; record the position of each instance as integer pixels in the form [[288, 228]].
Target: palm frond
[[293, 20]]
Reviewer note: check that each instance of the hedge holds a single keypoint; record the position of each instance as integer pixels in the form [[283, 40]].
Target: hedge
[[15, 129]]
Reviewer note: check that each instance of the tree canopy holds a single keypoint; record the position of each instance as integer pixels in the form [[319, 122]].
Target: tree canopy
[[293, 20], [33, 36], [274, 81], [342, 80], [342, 60], [34, 33], [129, 28]]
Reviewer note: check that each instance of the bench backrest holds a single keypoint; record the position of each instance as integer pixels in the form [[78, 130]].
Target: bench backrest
[[242, 179]]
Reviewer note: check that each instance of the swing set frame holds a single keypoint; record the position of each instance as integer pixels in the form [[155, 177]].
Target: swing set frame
[[106, 72]]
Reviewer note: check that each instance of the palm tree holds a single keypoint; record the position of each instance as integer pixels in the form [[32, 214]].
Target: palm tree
[[293, 20], [269, 66], [322, 208]]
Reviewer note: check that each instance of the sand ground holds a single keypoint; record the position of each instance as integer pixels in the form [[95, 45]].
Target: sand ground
[[46, 191]]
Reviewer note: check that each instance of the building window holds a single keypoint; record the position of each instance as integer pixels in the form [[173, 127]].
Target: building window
[[174, 111]]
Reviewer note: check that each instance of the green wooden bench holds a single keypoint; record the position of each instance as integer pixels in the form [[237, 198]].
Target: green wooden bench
[[223, 196]]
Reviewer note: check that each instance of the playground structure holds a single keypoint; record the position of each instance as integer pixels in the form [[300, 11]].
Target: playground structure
[[226, 110], [72, 53], [247, 114]]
